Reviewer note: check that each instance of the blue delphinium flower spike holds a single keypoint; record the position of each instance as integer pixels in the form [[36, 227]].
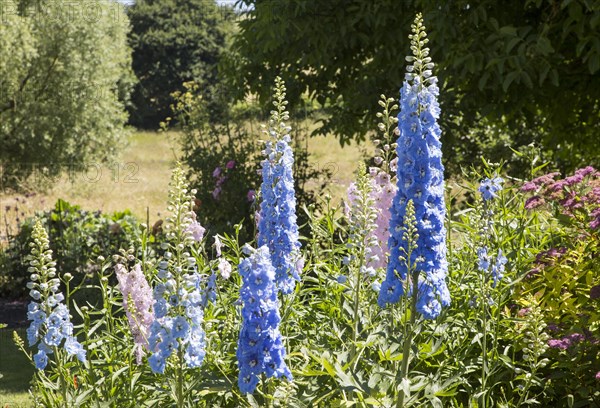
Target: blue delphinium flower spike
[[260, 346], [278, 228], [420, 176], [179, 296], [50, 321]]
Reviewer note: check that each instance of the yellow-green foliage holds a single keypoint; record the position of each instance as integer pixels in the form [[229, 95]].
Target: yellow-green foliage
[[564, 287]]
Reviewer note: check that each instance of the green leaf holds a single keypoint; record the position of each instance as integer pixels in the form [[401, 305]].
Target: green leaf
[[508, 30], [510, 77], [594, 63], [526, 79]]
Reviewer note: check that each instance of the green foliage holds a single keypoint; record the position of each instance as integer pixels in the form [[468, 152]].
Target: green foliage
[[511, 73], [77, 238], [176, 41], [64, 78]]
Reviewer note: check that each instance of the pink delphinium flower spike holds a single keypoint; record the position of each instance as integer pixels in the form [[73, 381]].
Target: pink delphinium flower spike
[[137, 302]]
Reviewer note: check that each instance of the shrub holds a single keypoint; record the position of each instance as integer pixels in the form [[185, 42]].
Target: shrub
[[77, 238]]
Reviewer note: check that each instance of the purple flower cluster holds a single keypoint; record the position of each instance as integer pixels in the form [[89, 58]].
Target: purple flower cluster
[[277, 225], [137, 303], [50, 320], [220, 177], [567, 341], [420, 178], [545, 259], [580, 191], [260, 347]]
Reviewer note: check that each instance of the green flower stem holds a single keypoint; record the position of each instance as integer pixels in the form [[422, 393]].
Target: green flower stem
[[408, 337], [357, 285], [484, 356], [62, 386], [484, 306], [179, 379]]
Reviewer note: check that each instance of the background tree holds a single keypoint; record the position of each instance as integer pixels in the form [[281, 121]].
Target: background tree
[[511, 72], [64, 78], [176, 41]]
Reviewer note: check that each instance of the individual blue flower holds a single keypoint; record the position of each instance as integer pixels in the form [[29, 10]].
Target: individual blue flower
[[490, 187], [74, 348], [53, 337], [160, 308], [181, 327], [157, 363], [341, 279], [498, 268], [194, 354], [483, 259], [495, 267], [420, 176], [277, 227], [40, 360], [260, 346], [211, 288]]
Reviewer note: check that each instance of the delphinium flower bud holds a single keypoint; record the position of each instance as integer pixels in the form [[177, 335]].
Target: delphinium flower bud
[[50, 320], [420, 178], [277, 226], [179, 295], [137, 302], [362, 217], [260, 346]]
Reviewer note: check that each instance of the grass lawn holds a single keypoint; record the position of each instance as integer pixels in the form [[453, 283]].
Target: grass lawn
[[16, 371], [139, 179]]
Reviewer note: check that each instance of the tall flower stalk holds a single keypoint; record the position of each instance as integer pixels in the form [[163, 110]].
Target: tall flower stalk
[[362, 217], [137, 302], [491, 271], [410, 237], [417, 267], [420, 176], [50, 320], [181, 292], [382, 189], [277, 227]]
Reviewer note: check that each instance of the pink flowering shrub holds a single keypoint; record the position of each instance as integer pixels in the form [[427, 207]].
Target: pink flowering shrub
[[576, 198]]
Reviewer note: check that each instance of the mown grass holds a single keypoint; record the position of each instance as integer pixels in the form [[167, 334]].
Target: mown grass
[[139, 179], [16, 371]]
